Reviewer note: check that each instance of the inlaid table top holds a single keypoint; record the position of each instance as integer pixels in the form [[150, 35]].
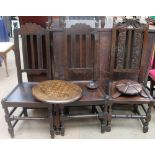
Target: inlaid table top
[[6, 46], [57, 91]]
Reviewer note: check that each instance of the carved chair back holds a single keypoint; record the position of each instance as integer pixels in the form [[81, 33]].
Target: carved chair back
[[33, 46], [80, 52], [128, 52]]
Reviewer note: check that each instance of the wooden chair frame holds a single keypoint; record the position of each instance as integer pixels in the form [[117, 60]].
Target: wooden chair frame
[[21, 96], [129, 68], [81, 74]]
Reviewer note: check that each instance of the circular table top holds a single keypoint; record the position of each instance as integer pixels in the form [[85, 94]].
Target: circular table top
[[57, 91]]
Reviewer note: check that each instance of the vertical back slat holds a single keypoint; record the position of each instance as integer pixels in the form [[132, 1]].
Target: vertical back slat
[[81, 52], [25, 52], [137, 49], [39, 50], [88, 40], [128, 49], [32, 51], [73, 44], [48, 55], [121, 50]]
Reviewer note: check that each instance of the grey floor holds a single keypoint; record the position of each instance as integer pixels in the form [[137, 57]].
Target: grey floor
[[75, 129]]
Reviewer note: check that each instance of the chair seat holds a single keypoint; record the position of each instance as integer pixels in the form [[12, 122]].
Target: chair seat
[[126, 99], [89, 96], [22, 96]]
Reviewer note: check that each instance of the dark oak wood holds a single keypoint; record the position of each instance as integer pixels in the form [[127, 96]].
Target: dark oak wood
[[81, 65]]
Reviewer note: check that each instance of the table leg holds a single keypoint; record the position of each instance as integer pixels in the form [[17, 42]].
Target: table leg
[[62, 128], [57, 123], [51, 120]]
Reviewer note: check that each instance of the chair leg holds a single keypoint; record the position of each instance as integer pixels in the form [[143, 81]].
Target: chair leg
[[8, 120], [147, 119], [103, 117], [62, 127], [109, 118], [103, 126], [51, 120], [25, 112]]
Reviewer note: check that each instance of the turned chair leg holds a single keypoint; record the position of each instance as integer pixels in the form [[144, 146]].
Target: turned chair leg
[[51, 120], [8, 120], [147, 119], [109, 118], [104, 119]]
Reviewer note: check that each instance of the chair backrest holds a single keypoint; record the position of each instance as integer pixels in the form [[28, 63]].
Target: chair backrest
[[128, 51], [80, 52], [32, 44]]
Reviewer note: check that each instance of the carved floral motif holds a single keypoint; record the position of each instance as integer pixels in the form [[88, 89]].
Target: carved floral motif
[[121, 50], [137, 47]]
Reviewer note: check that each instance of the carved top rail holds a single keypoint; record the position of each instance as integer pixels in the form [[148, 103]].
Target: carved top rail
[[131, 24], [31, 28]]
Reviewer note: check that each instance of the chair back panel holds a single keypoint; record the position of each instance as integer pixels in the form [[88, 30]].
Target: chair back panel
[[80, 47], [35, 51], [128, 53]]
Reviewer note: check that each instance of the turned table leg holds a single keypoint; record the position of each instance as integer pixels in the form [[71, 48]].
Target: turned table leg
[[57, 123], [51, 120]]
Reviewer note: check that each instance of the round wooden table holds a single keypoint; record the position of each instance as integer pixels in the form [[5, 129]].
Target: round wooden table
[[57, 93]]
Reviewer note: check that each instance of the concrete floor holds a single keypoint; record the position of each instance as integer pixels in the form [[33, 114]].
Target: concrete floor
[[75, 129]]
